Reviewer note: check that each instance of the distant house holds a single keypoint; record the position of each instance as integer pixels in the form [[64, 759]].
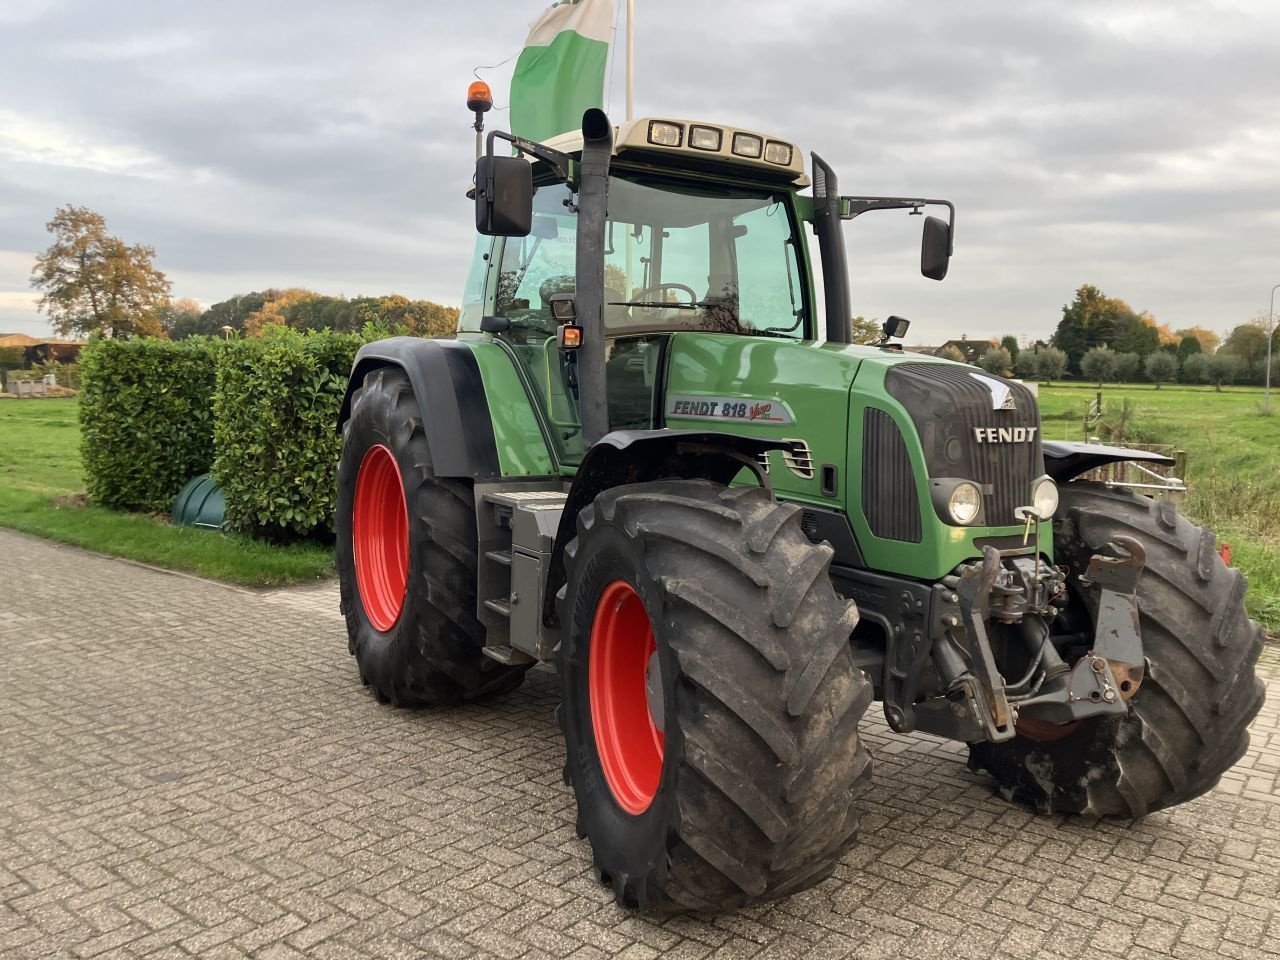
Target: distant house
[[34, 350], [972, 349], [17, 340]]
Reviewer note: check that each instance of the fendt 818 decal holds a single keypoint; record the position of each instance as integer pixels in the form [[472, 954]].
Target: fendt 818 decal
[[739, 409]]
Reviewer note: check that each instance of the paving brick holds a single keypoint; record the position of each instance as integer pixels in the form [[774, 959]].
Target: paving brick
[[194, 770]]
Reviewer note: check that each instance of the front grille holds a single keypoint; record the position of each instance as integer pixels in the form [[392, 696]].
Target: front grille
[[889, 498], [947, 403]]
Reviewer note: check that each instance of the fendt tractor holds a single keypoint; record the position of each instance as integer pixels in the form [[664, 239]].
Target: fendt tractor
[[642, 460]]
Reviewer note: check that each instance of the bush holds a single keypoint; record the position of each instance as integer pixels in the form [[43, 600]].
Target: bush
[[146, 417], [276, 438], [1162, 367], [996, 360], [1051, 363], [1099, 364]]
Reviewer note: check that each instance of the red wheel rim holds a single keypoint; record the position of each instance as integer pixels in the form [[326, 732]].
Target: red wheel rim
[[629, 743], [1044, 732], [380, 535]]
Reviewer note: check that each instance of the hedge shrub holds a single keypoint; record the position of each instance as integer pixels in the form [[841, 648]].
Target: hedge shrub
[[275, 434], [146, 418]]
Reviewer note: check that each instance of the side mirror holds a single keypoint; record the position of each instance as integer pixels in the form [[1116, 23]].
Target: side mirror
[[504, 196], [935, 248]]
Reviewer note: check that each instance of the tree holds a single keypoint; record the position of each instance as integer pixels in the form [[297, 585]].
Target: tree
[[93, 282], [1099, 364], [1051, 364], [865, 331], [1187, 346], [1207, 339], [1136, 333], [1248, 343], [996, 360], [1027, 365], [952, 353], [1010, 343], [1223, 368], [1162, 367], [1127, 366], [180, 318], [1195, 369], [1093, 319]]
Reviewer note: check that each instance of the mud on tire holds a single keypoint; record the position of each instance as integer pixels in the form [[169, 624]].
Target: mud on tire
[[1188, 722], [431, 654], [761, 699]]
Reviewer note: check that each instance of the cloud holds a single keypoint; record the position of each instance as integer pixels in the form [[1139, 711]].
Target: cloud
[[1128, 144]]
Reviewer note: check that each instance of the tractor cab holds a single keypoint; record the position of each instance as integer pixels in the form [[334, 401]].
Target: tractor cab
[[698, 238]]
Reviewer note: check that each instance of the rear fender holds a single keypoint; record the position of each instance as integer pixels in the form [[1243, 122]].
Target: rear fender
[[446, 382], [639, 456]]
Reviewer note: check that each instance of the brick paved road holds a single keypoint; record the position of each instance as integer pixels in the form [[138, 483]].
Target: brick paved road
[[188, 769]]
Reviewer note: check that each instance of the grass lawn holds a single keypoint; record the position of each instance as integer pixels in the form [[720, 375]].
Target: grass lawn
[[40, 466], [1233, 466]]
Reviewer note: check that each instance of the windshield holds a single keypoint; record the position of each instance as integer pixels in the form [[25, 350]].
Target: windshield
[[677, 257]]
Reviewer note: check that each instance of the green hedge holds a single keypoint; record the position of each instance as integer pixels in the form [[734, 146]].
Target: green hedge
[[276, 412], [146, 416]]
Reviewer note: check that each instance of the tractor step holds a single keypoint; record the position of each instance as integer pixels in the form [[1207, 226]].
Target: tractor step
[[517, 525], [507, 655]]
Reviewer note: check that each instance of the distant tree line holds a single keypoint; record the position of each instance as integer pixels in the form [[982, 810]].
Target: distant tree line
[[248, 314], [93, 282], [1102, 339]]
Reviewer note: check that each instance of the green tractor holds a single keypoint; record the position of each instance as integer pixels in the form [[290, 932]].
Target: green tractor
[[643, 461]]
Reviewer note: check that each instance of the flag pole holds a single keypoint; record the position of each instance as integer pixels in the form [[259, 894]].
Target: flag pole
[[631, 59]]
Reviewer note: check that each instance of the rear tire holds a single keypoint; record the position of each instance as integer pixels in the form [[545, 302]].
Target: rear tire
[[751, 795], [1188, 722], [408, 580]]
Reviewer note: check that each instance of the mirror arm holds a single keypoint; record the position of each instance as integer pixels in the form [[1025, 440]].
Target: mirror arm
[[560, 161], [851, 207]]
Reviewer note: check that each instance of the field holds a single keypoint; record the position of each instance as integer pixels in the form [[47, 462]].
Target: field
[[1233, 468], [1233, 474], [39, 481]]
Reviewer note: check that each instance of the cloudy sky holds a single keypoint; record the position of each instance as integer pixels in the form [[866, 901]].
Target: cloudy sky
[[1131, 145]]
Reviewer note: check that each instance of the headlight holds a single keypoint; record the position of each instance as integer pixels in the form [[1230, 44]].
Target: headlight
[[704, 138], [1044, 498], [964, 504], [666, 134], [747, 145]]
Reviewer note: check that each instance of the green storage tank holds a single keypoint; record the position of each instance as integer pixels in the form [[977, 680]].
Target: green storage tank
[[200, 504]]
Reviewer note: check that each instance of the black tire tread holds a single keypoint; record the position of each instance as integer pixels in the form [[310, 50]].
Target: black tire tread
[[1188, 722], [442, 663], [770, 762]]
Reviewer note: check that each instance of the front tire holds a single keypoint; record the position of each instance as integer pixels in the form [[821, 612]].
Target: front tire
[[1188, 722], [406, 556], [710, 700]]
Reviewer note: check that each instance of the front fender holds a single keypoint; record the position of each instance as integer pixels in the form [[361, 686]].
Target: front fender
[[639, 456], [1065, 460]]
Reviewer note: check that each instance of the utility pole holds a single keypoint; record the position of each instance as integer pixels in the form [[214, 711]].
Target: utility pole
[[1271, 319]]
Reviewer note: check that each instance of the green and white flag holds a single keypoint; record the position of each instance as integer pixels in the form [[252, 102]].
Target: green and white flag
[[560, 72]]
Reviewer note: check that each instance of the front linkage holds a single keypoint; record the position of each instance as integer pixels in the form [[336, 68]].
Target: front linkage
[[977, 703]]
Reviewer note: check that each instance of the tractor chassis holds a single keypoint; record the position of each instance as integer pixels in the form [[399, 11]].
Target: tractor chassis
[[936, 671]]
